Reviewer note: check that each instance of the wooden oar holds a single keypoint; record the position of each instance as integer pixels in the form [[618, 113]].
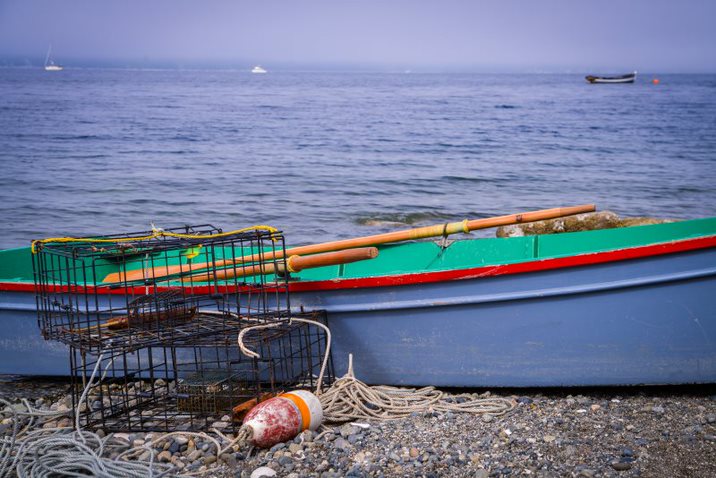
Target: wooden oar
[[293, 264], [397, 236]]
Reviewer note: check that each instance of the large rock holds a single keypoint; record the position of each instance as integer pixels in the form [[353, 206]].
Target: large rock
[[579, 222]]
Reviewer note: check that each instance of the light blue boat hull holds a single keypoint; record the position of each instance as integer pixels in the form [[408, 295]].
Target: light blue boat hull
[[646, 321], [643, 321]]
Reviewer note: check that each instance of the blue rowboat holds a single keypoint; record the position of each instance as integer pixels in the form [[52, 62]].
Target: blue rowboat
[[609, 307]]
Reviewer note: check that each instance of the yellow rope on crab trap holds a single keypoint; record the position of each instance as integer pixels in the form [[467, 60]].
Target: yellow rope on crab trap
[[156, 233]]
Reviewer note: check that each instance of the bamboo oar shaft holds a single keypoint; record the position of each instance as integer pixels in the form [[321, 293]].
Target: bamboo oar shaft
[[374, 240], [442, 229], [293, 264]]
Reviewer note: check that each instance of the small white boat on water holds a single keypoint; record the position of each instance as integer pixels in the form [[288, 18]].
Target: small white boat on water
[[258, 69], [50, 64]]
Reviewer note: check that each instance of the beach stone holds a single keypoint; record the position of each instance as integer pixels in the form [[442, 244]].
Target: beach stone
[[195, 455], [414, 453], [263, 471], [621, 465], [277, 446], [295, 447], [586, 473], [181, 440], [164, 456], [346, 430], [208, 460], [341, 444], [659, 410], [481, 473]]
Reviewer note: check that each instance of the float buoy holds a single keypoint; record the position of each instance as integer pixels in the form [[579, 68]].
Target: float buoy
[[281, 418], [655, 81]]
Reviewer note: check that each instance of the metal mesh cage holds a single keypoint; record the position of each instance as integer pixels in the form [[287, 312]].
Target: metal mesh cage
[[185, 388], [136, 290]]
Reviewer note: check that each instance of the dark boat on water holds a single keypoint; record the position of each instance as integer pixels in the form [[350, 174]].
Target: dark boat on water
[[629, 78]]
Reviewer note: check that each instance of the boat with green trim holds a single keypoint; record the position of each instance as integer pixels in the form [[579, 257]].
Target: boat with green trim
[[608, 307]]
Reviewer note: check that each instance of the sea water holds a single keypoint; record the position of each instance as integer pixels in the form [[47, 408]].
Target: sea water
[[333, 155]]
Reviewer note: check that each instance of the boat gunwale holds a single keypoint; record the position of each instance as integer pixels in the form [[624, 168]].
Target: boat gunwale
[[412, 278]]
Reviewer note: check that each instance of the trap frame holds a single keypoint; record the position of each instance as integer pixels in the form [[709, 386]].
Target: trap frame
[[127, 291], [191, 388]]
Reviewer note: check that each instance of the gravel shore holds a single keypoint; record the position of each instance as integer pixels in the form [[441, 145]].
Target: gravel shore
[[621, 432]]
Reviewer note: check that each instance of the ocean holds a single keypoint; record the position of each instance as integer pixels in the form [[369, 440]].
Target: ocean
[[326, 156]]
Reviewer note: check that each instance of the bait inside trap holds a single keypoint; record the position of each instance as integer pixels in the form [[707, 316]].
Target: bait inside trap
[[193, 388]]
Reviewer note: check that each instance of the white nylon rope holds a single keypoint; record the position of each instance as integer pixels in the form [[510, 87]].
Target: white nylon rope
[[350, 399], [50, 452]]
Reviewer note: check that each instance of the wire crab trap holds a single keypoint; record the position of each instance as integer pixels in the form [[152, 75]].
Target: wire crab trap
[[195, 388], [149, 288]]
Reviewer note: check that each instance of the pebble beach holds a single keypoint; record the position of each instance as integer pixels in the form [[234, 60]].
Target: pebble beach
[[615, 432]]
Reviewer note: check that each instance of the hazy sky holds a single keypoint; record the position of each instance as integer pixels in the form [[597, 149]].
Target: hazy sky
[[492, 35]]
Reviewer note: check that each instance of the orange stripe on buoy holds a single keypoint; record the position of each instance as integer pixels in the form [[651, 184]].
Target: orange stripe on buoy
[[302, 408]]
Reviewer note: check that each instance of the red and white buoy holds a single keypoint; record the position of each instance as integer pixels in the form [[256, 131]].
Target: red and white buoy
[[281, 418]]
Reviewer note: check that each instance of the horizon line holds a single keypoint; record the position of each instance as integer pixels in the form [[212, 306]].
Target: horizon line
[[345, 68], [17, 61]]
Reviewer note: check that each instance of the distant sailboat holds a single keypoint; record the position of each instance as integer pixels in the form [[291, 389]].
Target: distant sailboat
[[50, 64], [258, 69]]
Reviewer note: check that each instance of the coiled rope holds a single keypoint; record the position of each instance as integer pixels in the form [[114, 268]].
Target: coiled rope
[[350, 399]]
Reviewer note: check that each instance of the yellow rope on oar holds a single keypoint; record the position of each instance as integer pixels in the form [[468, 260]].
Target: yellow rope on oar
[[155, 233]]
